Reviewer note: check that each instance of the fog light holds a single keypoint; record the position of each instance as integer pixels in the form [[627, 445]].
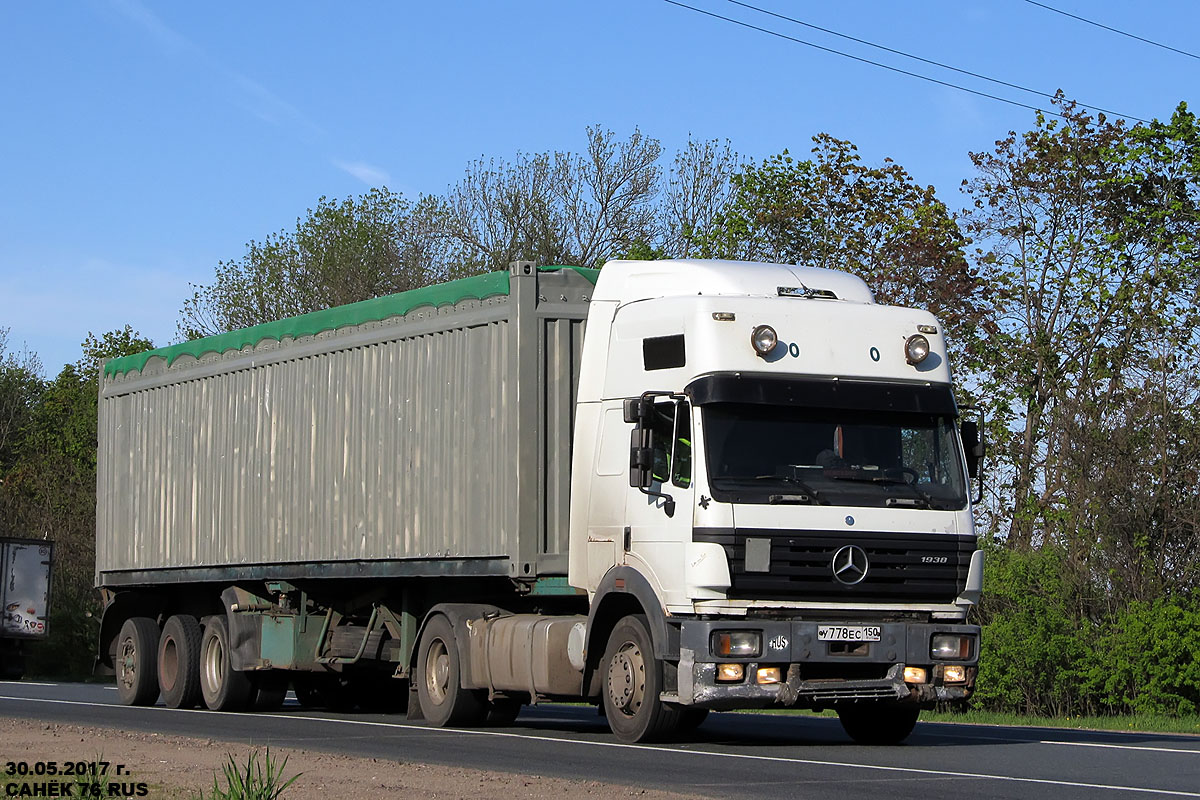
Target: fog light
[[954, 673], [768, 675], [730, 673], [916, 349], [737, 644], [914, 674], [949, 647], [763, 339]]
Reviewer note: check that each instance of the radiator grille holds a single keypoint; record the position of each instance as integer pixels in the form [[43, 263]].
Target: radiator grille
[[905, 567]]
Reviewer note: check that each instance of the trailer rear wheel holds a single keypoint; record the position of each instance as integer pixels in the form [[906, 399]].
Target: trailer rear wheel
[[179, 661], [223, 687], [443, 699], [268, 691], [633, 685], [878, 724], [137, 662]]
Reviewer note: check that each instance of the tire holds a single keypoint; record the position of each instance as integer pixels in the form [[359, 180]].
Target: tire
[[179, 661], [308, 691], [883, 725], [443, 700], [632, 685], [267, 691], [691, 718], [379, 694], [502, 711], [136, 662], [223, 687]]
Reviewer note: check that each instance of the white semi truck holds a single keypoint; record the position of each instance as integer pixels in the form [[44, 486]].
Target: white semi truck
[[664, 487]]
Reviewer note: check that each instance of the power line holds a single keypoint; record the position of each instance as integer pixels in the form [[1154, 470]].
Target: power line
[[996, 81], [1114, 30], [868, 61]]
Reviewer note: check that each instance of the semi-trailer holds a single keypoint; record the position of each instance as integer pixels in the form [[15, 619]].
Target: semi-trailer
[[662, 487], [25, 599]]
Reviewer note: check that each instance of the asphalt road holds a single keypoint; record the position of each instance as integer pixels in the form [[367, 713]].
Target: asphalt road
[[732, 756]]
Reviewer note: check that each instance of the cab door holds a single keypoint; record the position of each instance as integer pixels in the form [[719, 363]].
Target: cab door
[[659, 519]]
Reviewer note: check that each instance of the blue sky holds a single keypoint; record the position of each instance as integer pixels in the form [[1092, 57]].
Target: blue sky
[[144, 142]]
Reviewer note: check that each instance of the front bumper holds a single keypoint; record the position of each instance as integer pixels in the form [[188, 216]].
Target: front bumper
[[816, 674]]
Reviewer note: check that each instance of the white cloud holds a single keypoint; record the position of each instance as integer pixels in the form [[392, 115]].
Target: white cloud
[[368, 174]]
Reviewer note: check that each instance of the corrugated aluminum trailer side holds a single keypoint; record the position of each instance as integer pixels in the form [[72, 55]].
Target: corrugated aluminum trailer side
[[422, 434]]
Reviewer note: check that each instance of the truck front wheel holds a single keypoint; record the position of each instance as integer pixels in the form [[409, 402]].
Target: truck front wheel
[[179, 661], [878, 724], [137, 662], [223, 687], [633, 685], [439, 690]]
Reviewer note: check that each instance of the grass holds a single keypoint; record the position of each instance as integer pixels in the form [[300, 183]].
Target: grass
[[259, 779], [1136, 723]]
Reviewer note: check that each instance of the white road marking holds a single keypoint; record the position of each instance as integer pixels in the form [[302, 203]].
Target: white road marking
[[623, 746], [27, 683], [1128, 747]]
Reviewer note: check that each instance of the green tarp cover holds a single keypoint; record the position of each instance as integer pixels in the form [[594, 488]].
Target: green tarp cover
[[379, 308]]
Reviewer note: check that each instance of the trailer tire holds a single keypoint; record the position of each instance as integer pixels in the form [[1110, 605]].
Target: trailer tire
[[268, 691], [137, 662], [632, 685], [223, 687], [443, 700], [179, 661], [882, 725]]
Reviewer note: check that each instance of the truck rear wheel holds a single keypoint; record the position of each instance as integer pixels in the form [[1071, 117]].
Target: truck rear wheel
[[633, 685], [179, 661], [137, 662], [439, 688], [878, 724], [223, 687]]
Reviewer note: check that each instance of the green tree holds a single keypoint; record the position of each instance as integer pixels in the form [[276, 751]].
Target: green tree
[[1089, 233], [50, 492], [340, 252]]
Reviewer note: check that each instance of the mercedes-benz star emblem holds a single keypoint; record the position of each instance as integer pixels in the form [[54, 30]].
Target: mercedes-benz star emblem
[[850, 564]]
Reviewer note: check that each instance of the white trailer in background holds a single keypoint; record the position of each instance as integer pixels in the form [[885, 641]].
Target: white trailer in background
[[24, 599], [661, 487]]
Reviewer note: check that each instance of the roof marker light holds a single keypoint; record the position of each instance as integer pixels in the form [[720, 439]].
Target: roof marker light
[[763, 339], [916, 349]]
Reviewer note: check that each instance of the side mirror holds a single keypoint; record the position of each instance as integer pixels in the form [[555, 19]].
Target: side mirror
[[641, 458], [633, 409], [973, 446]]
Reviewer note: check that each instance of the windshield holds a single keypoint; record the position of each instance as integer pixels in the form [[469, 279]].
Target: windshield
[[791, 454]]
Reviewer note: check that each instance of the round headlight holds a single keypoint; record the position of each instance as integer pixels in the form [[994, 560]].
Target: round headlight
[[763, 339], [916, 349]]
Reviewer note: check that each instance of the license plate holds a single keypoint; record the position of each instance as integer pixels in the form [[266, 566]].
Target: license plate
[[848, 633]]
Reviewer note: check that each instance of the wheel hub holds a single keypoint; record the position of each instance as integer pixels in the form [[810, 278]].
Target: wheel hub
[[626, 679]]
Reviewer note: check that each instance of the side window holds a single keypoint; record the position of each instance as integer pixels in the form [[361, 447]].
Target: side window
[[662, 438], [672, 439], [681, 464]]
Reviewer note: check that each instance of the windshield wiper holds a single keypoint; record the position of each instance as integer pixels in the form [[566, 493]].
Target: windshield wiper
[[921, 496], [811, 496]]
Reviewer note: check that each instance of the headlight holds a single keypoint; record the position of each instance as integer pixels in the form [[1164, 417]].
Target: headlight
[[763, 339], [737, 644], [954, 673], [950, 647], [916, 349], [914, 675]]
